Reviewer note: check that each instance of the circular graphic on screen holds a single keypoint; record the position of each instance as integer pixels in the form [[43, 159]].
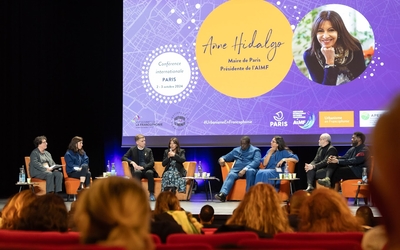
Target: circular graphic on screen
[[169, 74], [333, 45], [243, 48]]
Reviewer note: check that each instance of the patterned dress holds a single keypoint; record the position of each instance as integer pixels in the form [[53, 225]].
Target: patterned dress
[[172, 178]]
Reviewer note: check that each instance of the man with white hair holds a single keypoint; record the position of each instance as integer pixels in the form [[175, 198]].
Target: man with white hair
[[317, 168]]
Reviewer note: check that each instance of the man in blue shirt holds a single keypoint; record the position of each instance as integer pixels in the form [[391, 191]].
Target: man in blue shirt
[[247, 160]]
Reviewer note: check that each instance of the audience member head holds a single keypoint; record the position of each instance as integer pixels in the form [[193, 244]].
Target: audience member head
[[296, 200], [365, 216], [385, 175], [45, 213], [166, 201], [206, 214], [115, 211], [327, 211], [261, 210], [11, 212]]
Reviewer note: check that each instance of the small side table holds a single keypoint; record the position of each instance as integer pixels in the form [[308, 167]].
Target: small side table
[[358, 191], [285, 179], [208, 185], [29, 185]]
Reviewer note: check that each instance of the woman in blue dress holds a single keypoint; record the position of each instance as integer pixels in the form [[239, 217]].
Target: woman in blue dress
[[276, 157], [173, 160]]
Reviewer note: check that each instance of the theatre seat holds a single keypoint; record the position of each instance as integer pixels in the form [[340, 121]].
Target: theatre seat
[[332, 244], [190, 167], [40, 189]]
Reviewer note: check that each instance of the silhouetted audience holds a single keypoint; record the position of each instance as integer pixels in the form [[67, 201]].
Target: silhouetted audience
[[295, 202], [115, 211], [168, 210], [365, 217], [11, 212], [45, 213], [260, 211], [327, 211], [206, 216], [385, 177]]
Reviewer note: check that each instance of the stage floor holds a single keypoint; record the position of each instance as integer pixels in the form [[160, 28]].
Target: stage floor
[[198, 200]]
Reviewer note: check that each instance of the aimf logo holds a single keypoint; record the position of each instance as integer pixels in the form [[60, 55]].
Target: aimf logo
[[179, 120]]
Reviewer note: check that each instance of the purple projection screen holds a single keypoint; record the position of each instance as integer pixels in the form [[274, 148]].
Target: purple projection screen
[[209, 72]]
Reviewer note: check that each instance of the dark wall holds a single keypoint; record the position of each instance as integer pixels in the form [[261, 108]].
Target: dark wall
[[61, 76]]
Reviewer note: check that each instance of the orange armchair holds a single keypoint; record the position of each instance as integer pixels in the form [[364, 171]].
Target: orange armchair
[[40, 189], [239, 187], [71, 184]]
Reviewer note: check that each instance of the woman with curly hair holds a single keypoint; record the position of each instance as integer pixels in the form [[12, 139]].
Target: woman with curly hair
[[11, 212], [114, 212], [326, 211], [260, 211]]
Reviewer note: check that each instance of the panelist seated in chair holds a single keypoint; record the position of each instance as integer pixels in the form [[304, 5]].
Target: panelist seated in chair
[[348, 166], [247, 161], [142, 163], [174, 171], [275, 158], [77, 162], [317, 168], [41, 166]]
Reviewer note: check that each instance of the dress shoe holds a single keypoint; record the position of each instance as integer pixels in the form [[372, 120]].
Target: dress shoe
[[152, 198], [326, 182], [80, 188], [221, 197], [310, 188]]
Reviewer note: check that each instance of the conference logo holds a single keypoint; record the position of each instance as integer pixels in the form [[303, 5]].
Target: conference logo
[[303, 119], [279, 120], [136, 118], [368, 118], [179, 121]]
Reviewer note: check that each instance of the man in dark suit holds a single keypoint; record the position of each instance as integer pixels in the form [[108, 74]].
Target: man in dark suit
[[317, 168], [141, 162]]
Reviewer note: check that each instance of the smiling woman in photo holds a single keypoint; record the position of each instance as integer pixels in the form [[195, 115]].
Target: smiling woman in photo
[[335, 56]]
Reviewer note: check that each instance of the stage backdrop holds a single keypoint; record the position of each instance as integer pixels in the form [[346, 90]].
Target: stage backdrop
[[211, 71]]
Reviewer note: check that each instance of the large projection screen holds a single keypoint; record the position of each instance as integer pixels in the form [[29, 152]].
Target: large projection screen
[[211, 71]]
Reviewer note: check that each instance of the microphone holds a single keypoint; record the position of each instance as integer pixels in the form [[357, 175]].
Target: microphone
[[170, 150]]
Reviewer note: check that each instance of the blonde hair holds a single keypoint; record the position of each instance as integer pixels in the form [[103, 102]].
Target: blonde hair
[[261, 210], [114, 211], [326, 211], [11, 213], [166, 201]]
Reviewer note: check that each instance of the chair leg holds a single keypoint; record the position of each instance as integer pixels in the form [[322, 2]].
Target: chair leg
[[67, 197]]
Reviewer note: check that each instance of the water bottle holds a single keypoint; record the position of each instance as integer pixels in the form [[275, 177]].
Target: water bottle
[[200, 169], [22, 174], [108, 166], [364, 176], [286, 171], [112, 169]]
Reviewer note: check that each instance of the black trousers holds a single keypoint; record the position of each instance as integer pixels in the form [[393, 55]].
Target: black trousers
[[149, 175], [83, 173]]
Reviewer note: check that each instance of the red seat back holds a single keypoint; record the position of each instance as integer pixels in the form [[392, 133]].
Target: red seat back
[[215, 240], [356, 236], [333, 244], [34, 237]]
